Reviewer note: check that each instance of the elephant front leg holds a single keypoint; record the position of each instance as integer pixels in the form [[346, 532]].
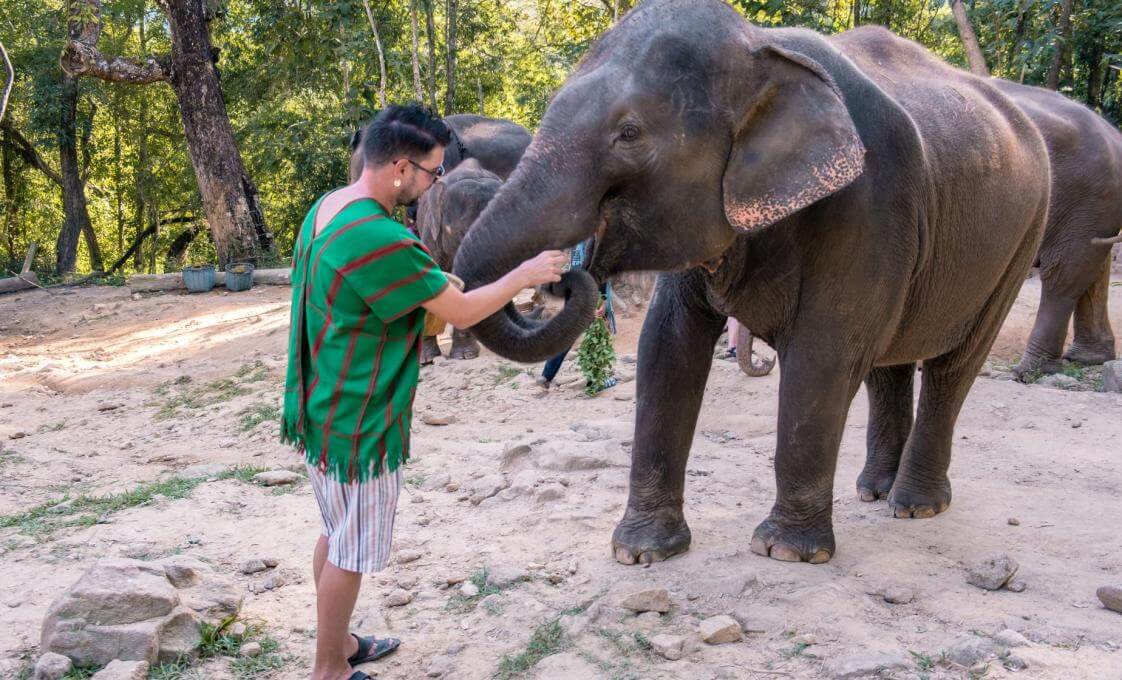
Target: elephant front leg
[[890, 422], [430, 349], [675, 355], [815, 390], [464, 345]]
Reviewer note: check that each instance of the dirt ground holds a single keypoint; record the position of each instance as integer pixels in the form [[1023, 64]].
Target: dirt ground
[[101, 393]]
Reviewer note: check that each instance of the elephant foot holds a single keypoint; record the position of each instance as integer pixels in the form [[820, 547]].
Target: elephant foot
[[874, 485], [1090, 356], [645, 537], [465, 350], [1031, 368], [430, 349], [787, 541], [908, 501]]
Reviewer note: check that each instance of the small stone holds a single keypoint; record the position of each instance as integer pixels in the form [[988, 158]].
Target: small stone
[[1058, 381], [992, 573], [1111, 596], [968, 650], [435, 482], [492, 603], [1112, 376], [805, 640], [719, 630], [273, 581], [469, 590], [1015, 661], [438, 668], [398, 597], [898, 595], [270, 562], [253, 567], [549, 492], [250, 649], [864, 664], [452, 487], [198, 471], [1010, 638], [408, 555], [669, 647], [1016, 586], [455, 579], [455, 648], [649, 600], [277, 477], [504, 576], [123, 670], [17, 435], [437, 420], [236, 629], [52, 666], [1013, 522]]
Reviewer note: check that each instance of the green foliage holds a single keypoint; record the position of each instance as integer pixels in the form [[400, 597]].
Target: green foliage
[[546, 639], [596, 356], [256, 414]]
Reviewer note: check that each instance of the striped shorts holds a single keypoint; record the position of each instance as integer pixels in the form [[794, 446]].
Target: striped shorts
[[358, 518]]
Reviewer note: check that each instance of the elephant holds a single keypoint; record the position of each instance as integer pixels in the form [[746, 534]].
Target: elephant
[[1083, 223], [852, 200], [444, 214]]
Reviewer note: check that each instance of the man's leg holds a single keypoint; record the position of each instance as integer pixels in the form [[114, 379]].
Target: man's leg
[[336, 593], [319, 559]]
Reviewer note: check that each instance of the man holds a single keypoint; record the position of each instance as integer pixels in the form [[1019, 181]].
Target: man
[[360, 285]]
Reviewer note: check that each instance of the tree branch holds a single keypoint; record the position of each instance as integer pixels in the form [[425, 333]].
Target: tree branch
[[27, 151], [79, 59], [11, 81]]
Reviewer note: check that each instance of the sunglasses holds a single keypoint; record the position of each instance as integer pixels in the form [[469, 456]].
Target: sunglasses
[[438, 171]]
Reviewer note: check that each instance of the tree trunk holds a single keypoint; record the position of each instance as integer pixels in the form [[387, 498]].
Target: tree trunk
[[381, 54], [479, 91], [76, 217], [177, 251], [228, 194], [431, 29], [969, 40], [418, 91], [9, 196], [10, 80], [1060, 49], [1095, 74], [450, 17]]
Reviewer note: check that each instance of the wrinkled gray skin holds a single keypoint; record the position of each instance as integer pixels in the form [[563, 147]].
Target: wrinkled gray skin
[[1084, 219], [496, 145], [444, 214], [853, 201]]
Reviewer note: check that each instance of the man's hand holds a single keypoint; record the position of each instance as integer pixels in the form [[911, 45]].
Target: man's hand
[[545, 267], [464, 310]]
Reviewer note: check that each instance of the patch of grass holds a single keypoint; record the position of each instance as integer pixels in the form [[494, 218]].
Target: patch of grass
[[925, 661], [460, 603], [797, 650], [547, 639], [242, 473], [253, 372], [262, 665], [256, 414], [52, 427], [194, 398], [180, 669], [165, 387], [506, 372], [415, 480], [625, 643], [81, 672], [11, 459]]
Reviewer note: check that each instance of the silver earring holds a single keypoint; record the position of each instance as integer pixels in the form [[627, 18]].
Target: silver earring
[[397, 182]]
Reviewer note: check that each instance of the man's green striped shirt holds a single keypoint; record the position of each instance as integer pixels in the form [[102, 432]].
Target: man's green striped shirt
[[354, 343]]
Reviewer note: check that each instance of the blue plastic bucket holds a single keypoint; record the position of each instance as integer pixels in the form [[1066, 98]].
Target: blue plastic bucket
[[239, 276], [199, 279]]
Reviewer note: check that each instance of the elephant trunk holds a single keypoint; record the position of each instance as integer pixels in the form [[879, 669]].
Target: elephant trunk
[[540, 208]]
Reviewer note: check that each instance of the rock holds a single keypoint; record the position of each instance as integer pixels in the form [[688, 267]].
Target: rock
[[898, 595], [1112, 376], [563, 458], [719, 630], [435, 482], [438, 667], [237, 629], [566, 666], [202, 470], [514, 456], [437, 420], [1013, 522], [992, 573], [123, 670], [488, 486], [987, 370], [492, 603], [273, 581], [1016, 586], [17, 435], [52, 666], [469, 589], [270, 562], [253, 567], [574, 624], [670, 647], [455, 648], [1010, 638], [1111, 596], [277, 477], [648, 620], [398, 597], [408, 555], [968, 650], [1015, 661], [137, 611], [250, 649], [549, 492], [1058, 381], [867, 663], [649, 600], [504, 576]]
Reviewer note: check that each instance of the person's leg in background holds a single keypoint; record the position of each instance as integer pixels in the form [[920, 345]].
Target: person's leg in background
[[549, 372], [734, 329]]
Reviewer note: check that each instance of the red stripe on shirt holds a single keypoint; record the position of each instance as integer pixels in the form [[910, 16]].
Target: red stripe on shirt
[[335, 394], [375, 255], [412, 278], [369, 393]]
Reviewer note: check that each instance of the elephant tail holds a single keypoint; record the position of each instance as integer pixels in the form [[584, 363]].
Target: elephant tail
[[1107, 241]]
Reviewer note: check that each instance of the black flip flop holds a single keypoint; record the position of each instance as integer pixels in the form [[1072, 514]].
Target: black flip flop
[[359, 675], [371, 649]]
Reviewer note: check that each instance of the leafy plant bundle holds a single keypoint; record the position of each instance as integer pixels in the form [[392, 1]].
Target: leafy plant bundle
[[596, 356]]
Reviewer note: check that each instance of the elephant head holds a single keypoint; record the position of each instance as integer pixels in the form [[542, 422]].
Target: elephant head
[[681, 128], [448, 209]]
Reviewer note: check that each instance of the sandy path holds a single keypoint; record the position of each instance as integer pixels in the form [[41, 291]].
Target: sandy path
[[1047, 457]]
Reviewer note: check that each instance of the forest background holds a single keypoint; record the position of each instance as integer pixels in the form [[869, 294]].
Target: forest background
[[144, 135]]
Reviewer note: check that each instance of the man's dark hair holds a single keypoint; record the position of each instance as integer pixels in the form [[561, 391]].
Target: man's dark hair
[[408, 131]]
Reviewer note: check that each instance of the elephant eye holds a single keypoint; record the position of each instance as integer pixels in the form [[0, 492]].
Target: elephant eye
[[629, 132]]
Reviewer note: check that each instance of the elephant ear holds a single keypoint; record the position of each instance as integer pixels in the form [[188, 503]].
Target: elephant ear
[[795, 145]]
